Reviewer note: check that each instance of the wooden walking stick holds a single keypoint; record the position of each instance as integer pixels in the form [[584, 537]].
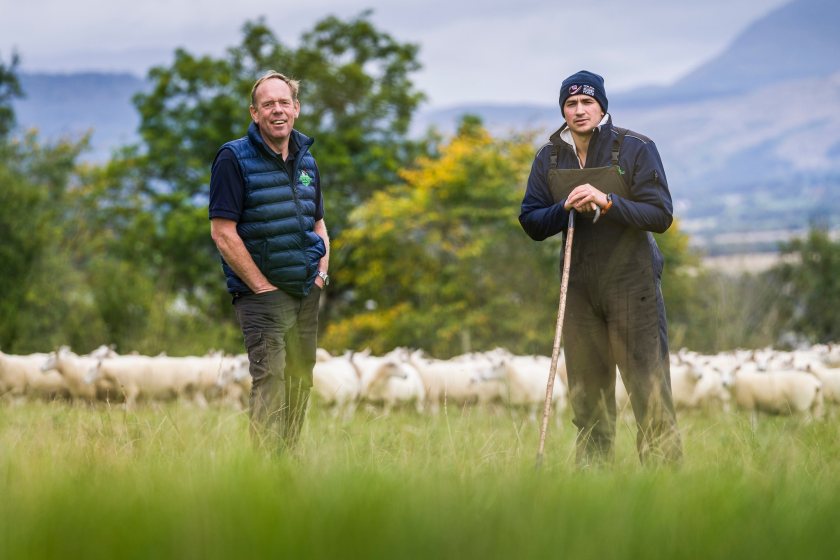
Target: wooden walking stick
[[555, 351]]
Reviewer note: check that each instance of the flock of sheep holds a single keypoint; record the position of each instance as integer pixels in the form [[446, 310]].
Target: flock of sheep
[[767, 380]]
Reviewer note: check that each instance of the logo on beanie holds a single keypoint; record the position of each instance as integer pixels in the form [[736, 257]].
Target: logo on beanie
[[582, 90]]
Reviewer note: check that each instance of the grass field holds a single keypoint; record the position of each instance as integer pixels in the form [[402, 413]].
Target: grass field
[[176, 481]]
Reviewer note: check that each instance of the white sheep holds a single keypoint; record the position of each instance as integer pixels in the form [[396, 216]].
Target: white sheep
[[830, 379], [696, 384], [234, 382], [777, 392], [688, 389], [21, 377], [73, 369], [207, 371], [336, 382], [527, 380], [449, 381], [712, 391], [389, 380], [149, 378]]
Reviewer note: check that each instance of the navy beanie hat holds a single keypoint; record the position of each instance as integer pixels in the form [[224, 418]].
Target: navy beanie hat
[[584, 83]]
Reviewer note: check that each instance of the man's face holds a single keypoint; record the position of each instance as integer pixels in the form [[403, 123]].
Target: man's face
[[275, 111], [582, 113]]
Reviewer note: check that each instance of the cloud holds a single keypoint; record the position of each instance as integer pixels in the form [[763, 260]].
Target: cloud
[[497, 50]]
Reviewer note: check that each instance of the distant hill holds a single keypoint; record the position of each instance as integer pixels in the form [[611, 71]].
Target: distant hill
[[800, 40], [750, 139], [70, 105]]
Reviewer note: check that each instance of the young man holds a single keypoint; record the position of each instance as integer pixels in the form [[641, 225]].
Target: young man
[[267, 220], [615, 315]]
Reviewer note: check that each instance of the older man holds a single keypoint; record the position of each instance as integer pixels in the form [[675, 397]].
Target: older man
[[267, 221]]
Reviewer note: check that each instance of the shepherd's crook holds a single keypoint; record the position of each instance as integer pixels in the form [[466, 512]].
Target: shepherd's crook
[[555, 352]]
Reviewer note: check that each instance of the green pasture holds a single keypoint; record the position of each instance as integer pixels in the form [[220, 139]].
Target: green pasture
[[177, 481]]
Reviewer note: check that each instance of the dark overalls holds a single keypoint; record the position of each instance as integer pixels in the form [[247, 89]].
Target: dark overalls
[[615, 316]]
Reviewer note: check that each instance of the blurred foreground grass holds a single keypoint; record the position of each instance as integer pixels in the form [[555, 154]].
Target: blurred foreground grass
[[175, 481]]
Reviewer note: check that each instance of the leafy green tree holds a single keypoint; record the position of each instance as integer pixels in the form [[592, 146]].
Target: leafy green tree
[[440, 262], [61, 284], [9, 89], [726, 311], [810, 285], [43, 301], [43, 298], [678, 282]]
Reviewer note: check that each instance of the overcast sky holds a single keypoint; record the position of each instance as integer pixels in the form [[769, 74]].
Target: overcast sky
[[471, 51]]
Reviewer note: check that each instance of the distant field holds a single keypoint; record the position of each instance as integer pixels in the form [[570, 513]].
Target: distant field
[[740, 263], [176, 481]]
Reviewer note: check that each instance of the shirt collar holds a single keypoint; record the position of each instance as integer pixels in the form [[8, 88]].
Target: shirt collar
[[566, 134]]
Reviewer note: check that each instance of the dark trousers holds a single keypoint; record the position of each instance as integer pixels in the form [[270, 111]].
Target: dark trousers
[[618, 319], [280, 334]]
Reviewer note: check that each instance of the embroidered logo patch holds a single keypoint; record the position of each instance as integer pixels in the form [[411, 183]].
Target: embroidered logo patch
[[305, 179], [582, 89]]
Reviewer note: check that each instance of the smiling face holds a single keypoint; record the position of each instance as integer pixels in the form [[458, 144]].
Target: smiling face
[[274, 111], [582, 113]]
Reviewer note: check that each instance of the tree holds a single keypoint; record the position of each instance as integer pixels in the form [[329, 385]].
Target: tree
[[9, 89], [810, 285], [33, 179], [43, 298], [439, 261], [678, 282], [724, 311]]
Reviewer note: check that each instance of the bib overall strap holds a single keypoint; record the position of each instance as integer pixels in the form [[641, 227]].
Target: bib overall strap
[[616, 147]]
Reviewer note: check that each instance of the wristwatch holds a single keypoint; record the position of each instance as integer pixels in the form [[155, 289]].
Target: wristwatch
[[325, 277], [609, 204]]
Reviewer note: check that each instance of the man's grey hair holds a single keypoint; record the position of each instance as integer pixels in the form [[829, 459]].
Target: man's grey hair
[[294, 85]]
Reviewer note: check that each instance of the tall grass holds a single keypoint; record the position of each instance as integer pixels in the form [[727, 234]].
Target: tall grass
[[175, 481]]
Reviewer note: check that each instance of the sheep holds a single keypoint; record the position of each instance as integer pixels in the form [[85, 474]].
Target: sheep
[[691, 386], [695, 384], [72, 369], [153, 378], [830, 379], [449, 380], [21, 377], [389, 380], [712, 390], [103, 351], [234, 382], [12, 376], [206, 371], [684, 380], [777, 392], [527, 380], [336, 382]]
